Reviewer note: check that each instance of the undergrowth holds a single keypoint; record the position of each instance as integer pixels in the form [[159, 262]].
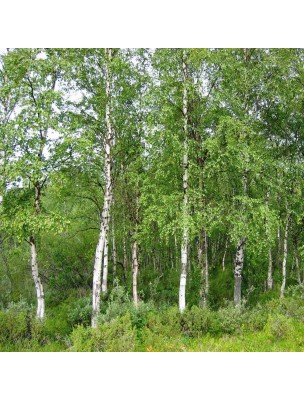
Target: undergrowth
[[276, 325]]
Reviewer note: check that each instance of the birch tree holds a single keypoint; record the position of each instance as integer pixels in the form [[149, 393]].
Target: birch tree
[[32, 164], [104, 226]]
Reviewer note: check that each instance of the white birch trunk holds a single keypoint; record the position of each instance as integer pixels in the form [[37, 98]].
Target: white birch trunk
[[270, 262], [270, 271], [238, 269], [285, 253], [206, 270], [2, 185], [135, 271], [97, 276], [204, 262], [104, 227], [125, 259], [37, 281], [224, 256], [114, 250], [104, 285], [184, 246]]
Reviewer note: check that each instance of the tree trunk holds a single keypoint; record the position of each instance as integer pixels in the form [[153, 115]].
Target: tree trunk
[[104, 285], [184, 246], [203, 258], [206, 289], [2, 183], [114, 250], [270, 271], [298, 268], [285, 253], [37, 281], [270, 262], [97, 276], [225, 252], [135, 271], [238, 269], [104, 226], [296, 256]]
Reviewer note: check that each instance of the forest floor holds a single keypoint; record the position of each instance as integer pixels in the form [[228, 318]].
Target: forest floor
[[276, 326]]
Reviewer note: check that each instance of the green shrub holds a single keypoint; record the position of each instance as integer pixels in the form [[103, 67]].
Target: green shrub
[[152, 342], [255, 319], [196, 321], [15, 322], [293, 307], [80, 312], [230, 319], [117, 335], [118, 305], [279, 326], [170, 321]]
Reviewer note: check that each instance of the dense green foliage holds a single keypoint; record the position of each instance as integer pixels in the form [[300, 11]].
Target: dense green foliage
[[244, 139]]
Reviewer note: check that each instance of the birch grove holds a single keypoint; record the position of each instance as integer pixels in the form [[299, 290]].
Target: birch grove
[[202, 150]]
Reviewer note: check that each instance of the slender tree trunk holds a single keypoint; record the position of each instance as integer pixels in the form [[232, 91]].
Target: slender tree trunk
[[225, 252], [285, 253], [176, 253], [238, 269], [205, 273], [135, 262], [104, 285], [298, 268], [270, 262], [37, 281], [270, 270], [104, 226], [97, 276], [2, 183], [279, 235], [34, 261], [125, 258], [114, 250], [206, 270], [184, 246], [135, 271], [296, 257]]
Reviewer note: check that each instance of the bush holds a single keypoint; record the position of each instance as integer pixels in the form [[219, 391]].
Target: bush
[[279, 326], [170, 321], [118, 305], [196, 321], [15, 322], [117, 335], [230, 319], [152, 341], [255, 319], [80, 312]]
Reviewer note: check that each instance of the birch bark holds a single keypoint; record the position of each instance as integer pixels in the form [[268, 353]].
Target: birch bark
[[224, 255], [270, 263], [104, 226], [238, 269], [135, 271], [285, 253], [114, 250], [34, 261], [184, 246], [37, 281], [104, 285]]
